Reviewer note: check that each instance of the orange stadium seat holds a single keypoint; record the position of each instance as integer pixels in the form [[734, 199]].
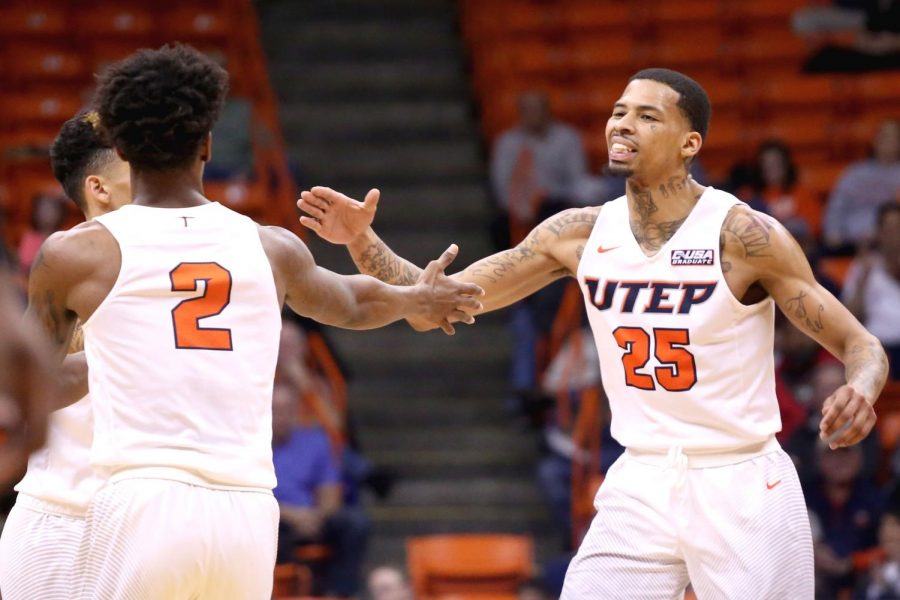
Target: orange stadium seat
[[115, 20], [596, 17], [821, 177], [702, 51], [50, 107], [469, 563], [685, 12], [757, 11], [35, 62], [33, 20], [189, 23], [810, 91], [876, 88], [608, 54]]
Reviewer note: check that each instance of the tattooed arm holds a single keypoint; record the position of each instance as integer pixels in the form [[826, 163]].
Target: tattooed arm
[[552, 250], [760, 251]]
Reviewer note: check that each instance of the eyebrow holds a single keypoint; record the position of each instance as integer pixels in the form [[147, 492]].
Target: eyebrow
[[640, 107]]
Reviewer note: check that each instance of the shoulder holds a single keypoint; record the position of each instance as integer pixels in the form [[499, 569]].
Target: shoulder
[[81, 244], [573, 222], [565, 130], [756, 238], [280, 244]]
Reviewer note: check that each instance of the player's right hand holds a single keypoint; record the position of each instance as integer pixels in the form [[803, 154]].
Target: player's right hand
[[446, 301], [336, 217]]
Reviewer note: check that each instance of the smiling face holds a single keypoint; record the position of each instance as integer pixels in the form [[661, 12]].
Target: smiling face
[[648, 135]]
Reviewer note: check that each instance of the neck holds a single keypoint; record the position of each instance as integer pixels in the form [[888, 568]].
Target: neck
[[656, 210], [168, 189]]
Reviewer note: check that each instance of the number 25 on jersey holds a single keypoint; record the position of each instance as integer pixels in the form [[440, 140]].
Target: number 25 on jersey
[[677, 371], [187, 314]]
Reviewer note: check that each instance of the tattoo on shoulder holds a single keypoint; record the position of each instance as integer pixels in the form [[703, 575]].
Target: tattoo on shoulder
[[797, 307], [751, 232]]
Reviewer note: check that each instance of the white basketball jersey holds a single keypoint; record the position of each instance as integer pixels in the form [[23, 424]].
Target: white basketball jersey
[[182, 351], [61, 472], [684, 363]]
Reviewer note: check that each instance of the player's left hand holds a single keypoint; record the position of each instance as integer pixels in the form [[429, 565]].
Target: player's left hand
[[336, 217], [847, 418]]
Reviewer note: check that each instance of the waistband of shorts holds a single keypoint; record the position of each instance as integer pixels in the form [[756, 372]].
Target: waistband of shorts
[[49, 507], [704, 459], [181, 476]]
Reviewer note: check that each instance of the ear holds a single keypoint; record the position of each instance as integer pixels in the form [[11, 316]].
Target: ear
[[94, 191], [691, 145], [206, 149]]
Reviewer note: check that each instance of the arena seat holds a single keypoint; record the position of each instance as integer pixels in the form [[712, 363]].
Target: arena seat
[[33, 21], [31, 62], [116, 21], [52, 107], [469, 563]]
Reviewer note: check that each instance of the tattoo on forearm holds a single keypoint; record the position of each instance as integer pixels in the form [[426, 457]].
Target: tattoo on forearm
[[571, 223], [751, 231], [494, 268], [380, 262], [866, 368], [797, 307]]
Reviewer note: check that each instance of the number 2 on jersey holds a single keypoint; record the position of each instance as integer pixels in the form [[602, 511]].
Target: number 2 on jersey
[[678, 371], [186, 316]]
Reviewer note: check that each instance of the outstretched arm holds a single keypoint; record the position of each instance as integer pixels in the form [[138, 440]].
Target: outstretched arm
[[552, 250], [764, 247], [362, 302], [26, 385]]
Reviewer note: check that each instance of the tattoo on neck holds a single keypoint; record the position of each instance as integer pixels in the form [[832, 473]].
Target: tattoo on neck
[[676, 184], [797, 307], [651, 235]]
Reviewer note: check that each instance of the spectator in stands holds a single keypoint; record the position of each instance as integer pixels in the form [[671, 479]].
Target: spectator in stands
[[876, 47], [862, 188], [826, 377], [573, 370], [872, 289], [48, 213], [233, 158], [533, 589], [840, 16], [309, 496], [535, 168], [388, 582], [883, 579], [845, 507], [774, 189]]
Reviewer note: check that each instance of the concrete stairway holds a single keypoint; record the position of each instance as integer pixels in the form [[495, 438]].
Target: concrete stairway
[[373, 93]]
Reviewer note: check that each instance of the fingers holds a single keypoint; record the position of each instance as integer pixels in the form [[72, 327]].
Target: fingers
[[311, 223], [447, 328], [832, 408], [848, 418], [370, 203], [471, 289], [311, 204], [447, 257], [460, 316], [470, 304]]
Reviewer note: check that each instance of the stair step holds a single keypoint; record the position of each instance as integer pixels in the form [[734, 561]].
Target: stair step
[[351, 10], [474, 492], [374, 162], [361, 121], [381, 388], [476, 436], [417, 412], [339, 39], [409, 79]]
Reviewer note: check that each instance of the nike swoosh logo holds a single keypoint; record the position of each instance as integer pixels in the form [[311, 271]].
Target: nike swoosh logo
[[769, 486], [601, 249]]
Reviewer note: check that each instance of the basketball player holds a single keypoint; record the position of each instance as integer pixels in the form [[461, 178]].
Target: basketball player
[[680, 282], [44, 530], [26, 384], [180, 300]]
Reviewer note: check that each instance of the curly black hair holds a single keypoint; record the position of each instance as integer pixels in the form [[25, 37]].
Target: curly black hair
[[79, 150], [693, 100], [158, 106]]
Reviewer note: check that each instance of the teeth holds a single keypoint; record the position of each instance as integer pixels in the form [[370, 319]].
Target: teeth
[[617, 147]]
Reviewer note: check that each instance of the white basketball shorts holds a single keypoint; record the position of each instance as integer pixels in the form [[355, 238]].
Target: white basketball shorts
[[158, 539], [738, 530], [38, 549]]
